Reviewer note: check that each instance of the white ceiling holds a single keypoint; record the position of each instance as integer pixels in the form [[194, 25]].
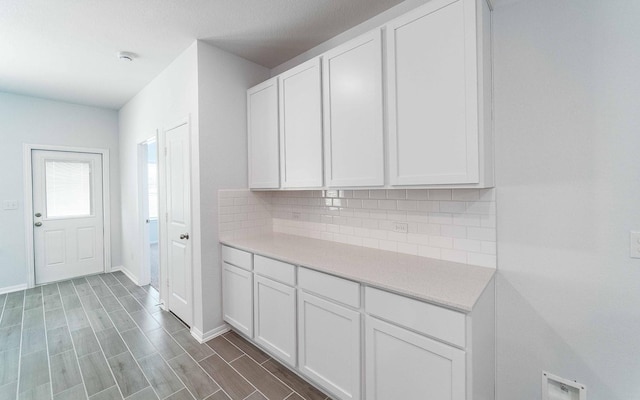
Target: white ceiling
[[66, 49]]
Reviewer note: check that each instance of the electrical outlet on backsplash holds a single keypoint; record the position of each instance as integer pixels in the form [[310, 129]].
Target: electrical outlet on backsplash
[[454, 224]]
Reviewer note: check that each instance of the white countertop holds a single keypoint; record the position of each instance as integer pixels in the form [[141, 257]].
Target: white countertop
[[446, 283]]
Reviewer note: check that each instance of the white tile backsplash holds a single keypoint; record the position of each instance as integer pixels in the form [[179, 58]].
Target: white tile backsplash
[[456, 225], [243, 213]]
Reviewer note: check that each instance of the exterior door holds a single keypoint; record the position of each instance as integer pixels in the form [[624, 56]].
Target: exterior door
[[179, 222], [68, 215]]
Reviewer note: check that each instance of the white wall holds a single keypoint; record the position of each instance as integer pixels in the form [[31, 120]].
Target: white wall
[[209, 85], [38, 121], [567, 113], [223, 80], [170, 97]]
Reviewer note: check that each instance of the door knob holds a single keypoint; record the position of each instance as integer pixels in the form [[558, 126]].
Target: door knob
[[38, 215], [38, 224], [184, 236]]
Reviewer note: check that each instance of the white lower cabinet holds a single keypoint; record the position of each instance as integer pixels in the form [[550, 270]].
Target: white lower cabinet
[[329, 345], [358, 342], [401, 364], [275, 318], [237, 299]]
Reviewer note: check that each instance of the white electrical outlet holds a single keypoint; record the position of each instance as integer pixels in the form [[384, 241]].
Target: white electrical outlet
[[634, 244], [401, 227], [10, 204]]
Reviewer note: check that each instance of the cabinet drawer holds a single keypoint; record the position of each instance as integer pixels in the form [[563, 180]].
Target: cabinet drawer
[[437, 322], [274, 269], [337, 289], [236, 257]]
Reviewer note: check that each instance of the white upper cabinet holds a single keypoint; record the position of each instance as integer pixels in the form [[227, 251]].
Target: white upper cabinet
[[262, 120], [353, 131], [301, 126], [418, 114], [437, 68]]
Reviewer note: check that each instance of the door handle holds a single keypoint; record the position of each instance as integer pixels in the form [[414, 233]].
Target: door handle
[[38, 215], [184, 236], [38, 224]]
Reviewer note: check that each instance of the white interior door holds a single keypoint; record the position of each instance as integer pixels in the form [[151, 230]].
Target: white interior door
[[68, 215], [179, 222]]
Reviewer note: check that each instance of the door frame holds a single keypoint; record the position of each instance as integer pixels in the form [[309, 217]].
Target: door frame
[[143, 206], [27, 151], [163, 235]]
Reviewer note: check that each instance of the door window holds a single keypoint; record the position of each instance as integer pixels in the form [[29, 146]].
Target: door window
[[68, 188]]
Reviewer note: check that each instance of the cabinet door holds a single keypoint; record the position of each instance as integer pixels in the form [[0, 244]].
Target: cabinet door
[[329, 343], [432, 88], [301, 126], [352, 81], [237, 298], [275, 318], [262, 124], [404, 365]]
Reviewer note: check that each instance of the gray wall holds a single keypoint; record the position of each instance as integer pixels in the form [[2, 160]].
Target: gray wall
[[223, 80], [567, 112], [36, 121]]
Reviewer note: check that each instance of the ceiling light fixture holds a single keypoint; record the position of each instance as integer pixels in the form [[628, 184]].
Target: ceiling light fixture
[[126, 56]]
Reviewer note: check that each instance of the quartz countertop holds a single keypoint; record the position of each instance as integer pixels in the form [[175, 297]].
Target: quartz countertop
[[453, 285]]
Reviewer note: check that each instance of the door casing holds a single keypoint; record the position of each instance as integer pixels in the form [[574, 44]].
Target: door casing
[[28, 203]]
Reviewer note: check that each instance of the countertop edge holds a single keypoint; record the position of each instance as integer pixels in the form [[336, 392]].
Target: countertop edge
[[464, 308]]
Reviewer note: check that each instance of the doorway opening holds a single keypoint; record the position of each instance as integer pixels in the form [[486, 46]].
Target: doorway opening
[[149, 199]]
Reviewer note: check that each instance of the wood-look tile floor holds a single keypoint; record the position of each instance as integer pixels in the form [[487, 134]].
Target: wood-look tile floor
[[102, 337]]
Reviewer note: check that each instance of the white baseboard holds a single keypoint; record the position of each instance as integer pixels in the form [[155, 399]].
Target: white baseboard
[[15, 288], [126, 272], [205, 337]]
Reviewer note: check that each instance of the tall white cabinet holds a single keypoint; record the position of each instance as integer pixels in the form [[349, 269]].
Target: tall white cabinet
[[353, 110], [437, 70], [263, 135], [301, 126]]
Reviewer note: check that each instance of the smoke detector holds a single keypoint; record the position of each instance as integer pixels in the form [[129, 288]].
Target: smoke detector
[[126, 56]]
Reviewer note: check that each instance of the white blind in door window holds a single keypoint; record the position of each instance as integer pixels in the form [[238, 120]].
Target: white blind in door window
[[68, 188]]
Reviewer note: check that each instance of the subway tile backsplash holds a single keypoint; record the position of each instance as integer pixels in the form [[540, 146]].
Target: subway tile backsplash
[[456, 225]]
